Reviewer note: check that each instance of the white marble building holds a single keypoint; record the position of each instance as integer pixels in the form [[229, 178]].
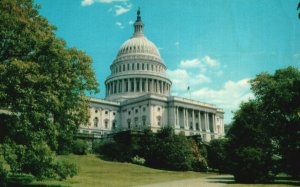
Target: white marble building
[[138, 96]]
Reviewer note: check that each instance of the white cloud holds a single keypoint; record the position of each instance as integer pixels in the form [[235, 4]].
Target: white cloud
[[228, 97], [181, 79], [204, 63], [90, 2], [197, 73], [120, 25], [131, 22], [87, 2], [119, 10], [190, 63], [111, 1], [210, 61]]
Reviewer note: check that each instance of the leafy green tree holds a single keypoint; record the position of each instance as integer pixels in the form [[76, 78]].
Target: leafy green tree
[[279, 95], [169, 151], [80, 147], [217, 154], [42, 82], [42, 90], [250, 150]]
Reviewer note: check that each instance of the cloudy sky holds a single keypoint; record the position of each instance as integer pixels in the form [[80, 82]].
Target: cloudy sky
[[213, 46]]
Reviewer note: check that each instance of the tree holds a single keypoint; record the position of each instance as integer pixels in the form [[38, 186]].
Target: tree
[[279, 95], [42, 82], [217, 154], [249, 149], [168, 150], [264, 137]]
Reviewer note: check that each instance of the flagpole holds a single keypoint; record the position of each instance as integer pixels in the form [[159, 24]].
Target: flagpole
[[188, 88]]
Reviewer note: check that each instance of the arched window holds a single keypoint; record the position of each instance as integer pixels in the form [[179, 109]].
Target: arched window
[[129, 123], [136, 119], [114, 124], [158, 120], [106, 121], [144, 120], [96, 121]]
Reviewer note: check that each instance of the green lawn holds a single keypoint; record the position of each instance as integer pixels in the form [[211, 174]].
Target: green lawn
[[96, 172]]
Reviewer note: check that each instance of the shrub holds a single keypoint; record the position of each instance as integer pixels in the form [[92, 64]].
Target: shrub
[[217, 154], [138, 160], [80, 147], [65, 169], [3, 174], [199, 165], [252, 166]]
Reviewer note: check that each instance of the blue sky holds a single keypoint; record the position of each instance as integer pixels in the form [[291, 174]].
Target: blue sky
[[213, 46]]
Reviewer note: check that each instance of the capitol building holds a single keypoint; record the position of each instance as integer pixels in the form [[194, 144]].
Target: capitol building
[[138, 96]]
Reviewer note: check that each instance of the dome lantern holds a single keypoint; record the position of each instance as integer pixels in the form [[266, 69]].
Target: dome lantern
[[138, 25]]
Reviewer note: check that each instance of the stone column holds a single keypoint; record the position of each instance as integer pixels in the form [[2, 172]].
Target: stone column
[[199, 121], [141, 84], [146, 85], [117, 86], [123, 84], [177, 116], [187, 118], [106, 90], [214, 123], [129, 85], [207, 122], [113, 87], [184, 118], [193, 119], [134, 84]]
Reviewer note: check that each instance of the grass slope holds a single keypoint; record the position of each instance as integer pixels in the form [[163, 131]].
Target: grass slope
[[96, 172]]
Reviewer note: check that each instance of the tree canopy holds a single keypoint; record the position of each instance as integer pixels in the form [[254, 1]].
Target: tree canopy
[[265, 135], [42, 82]]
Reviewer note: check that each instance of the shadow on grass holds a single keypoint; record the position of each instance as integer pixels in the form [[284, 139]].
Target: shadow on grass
[[221, 179], [25, 180], [282, 180], [105, 158]]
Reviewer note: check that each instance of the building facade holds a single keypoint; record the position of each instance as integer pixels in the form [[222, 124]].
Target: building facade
[[138, 96]]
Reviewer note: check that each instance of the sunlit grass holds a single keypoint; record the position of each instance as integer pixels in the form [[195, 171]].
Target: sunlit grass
[[96, 172]]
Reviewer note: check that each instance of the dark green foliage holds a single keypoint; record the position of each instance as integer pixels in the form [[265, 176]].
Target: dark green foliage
[[279, 95], [42, 91], [252, 165], [113, 151], [3, 173], [249, 150], [37, 160], [65, 169], [217, 154], [265, 135], [80, 147], [163, 150]]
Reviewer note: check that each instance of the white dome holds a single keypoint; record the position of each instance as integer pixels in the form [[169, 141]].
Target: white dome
[[138, 45]]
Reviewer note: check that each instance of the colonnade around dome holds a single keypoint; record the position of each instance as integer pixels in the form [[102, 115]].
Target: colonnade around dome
[[137, 85]]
